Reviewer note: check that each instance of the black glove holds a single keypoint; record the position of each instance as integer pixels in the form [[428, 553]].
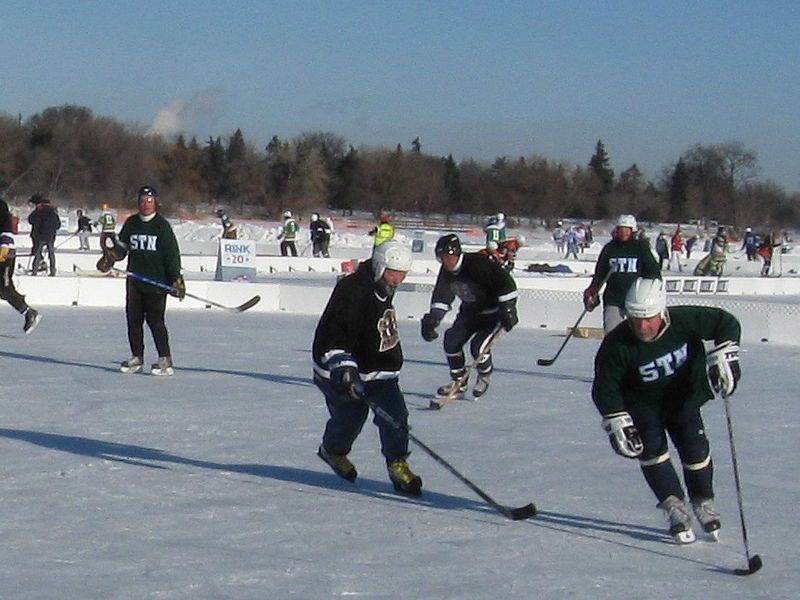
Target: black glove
[[508, 315], [179, 288], [105, 263], [429, 325], [346, 381]]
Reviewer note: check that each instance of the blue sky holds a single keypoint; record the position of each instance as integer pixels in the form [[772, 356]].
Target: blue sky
[[472, 79]]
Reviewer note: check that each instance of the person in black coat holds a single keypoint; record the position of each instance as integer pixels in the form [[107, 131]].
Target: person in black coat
[[45, 222]]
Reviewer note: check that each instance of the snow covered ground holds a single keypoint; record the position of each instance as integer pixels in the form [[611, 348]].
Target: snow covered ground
[[206, 485]]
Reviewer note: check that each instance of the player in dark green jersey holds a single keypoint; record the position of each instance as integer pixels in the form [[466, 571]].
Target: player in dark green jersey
[[149, 242], [621, 261], [650, 381]]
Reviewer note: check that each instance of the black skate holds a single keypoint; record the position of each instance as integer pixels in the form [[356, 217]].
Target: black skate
[[32, 318]]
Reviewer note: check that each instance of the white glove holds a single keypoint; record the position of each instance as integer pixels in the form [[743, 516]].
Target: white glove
[[622, 434], [723, 368]]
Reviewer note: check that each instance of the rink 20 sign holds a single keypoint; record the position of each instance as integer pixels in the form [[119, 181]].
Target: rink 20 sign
[[236, 260]]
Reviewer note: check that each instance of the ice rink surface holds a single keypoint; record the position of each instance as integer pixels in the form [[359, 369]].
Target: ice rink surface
[[205, 485]]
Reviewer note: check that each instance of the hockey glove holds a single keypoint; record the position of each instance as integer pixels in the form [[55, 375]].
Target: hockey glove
[[345, 379], [429, 325], [3, 253], [179, 288], [622, 434], [590, 298], [723, 368], [508, 315], [105, 263]]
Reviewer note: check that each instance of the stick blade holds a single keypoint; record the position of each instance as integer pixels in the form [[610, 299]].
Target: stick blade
[[521, 513], [545, 362], [249, 304], [753, 565]]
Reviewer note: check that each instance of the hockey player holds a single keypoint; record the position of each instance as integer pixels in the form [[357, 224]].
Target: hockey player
[[108, 230], [149, 242], [228, 228], [357, 360], [320, 236], [495, 231], [382, 232], [714, 263], [288, 234], [488, 297], [84, 229], [8, 256], [45, 223], [650, 380], [621, 261]]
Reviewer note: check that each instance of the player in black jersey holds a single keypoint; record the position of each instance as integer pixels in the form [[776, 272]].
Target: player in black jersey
[[357, 361], [8, 259], [488, 297]]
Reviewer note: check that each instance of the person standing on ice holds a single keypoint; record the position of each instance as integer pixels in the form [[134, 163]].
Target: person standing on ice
[[488, 297], [651, 376], [152, 250], [357, 361], [8, 257], [621, 261], [495, 231], [288, 234]]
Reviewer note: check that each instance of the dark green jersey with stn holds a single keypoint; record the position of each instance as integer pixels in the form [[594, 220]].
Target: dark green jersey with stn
[[623, 262], [152, 250], [666, 373]]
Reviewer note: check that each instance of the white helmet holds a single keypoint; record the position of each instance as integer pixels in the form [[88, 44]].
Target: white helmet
[[314, 217], [646, 298], [500, 217], [627, 221], [391, 254], [521, 240], [287, 214]]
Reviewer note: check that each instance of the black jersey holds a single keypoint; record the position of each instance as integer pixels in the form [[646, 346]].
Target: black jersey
[[359, 322], [667, 372], [478, 282], [153, 250]]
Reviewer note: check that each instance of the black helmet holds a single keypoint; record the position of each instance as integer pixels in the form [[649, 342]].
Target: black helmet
[[220, 212], [448, 244], [147, 190]]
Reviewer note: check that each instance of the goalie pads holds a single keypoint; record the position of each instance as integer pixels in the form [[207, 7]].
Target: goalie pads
[[622, 434], [724, 372]]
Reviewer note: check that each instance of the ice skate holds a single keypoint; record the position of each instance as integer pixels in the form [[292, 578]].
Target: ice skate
[[32, 318], [132, 365], [480, 387], [339, 463], [707, 516], [162, 367], [449, 390], [403, 478], [680, 520]]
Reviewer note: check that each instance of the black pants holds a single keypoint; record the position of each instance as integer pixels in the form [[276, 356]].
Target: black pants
[[288, 246], [146, 306], [7, 290], [469, 325], [687, 432], [38, 255]]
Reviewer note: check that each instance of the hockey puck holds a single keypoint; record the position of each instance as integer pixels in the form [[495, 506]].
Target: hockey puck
[[764, 340]]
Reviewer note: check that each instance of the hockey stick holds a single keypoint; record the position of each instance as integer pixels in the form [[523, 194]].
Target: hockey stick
[[65, 240], [753, 562], [518, 513], [437, 404], [241, 308], [546, 362]]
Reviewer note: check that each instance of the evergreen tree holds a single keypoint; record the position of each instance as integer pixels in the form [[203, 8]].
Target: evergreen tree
[[678, 186], [600, 165]]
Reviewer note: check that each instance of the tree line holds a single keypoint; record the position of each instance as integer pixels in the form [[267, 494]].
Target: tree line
[[80, 159]]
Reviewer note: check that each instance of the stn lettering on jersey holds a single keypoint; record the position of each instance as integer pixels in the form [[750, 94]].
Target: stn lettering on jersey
[[144, 241], [666, 364], [624, 264]]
